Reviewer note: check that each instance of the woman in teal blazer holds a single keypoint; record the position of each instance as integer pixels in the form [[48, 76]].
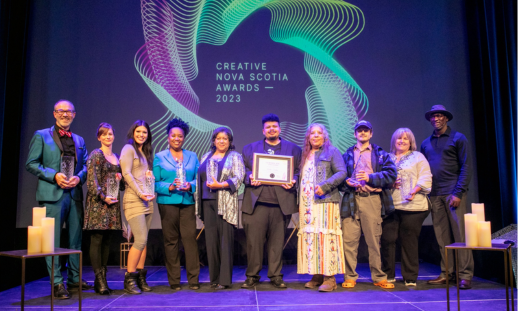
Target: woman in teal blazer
[[176, 204]]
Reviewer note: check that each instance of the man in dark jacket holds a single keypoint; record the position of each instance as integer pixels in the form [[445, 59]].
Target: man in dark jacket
[[367, 198], [447, 152], [266, 208]]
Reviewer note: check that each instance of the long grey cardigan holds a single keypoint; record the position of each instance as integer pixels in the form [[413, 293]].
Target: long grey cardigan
[[233, 171]]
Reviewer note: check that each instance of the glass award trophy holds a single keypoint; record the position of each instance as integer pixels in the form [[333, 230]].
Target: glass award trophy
[[112, 186], [361, 165], [180, 172], [67, 166], [212, 171], [406, 185], [149, 187]]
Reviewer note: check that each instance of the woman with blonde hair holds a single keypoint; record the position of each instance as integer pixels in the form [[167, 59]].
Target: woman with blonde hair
[[413, 183], [320, 246]]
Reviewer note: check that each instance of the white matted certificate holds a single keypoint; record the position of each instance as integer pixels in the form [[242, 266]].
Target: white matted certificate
[[272, 169]]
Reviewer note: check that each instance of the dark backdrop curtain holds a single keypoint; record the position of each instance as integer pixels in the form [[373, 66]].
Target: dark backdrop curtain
[[13, 31], [491, 26]]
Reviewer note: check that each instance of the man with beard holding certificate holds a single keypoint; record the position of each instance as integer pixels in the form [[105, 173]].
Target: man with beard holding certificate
[[267, 209]]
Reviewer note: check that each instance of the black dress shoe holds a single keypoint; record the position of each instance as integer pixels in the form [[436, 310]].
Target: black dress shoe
[[438, 281], [60, 292], [465, 284], [250, 282], [85, 286], [175, 286], [222, 286], [194, 286], [278, 282]]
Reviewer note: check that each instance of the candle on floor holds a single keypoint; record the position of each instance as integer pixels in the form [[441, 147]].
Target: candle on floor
[[478, 208], [471, 229], [37, 214], [33, 240], [47, 235], [484, 233]]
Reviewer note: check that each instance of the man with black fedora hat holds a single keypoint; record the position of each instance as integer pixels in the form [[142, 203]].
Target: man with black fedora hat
[[448, 154]]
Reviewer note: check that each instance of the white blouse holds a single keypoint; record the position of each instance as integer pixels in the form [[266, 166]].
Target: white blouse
[[414, 170]]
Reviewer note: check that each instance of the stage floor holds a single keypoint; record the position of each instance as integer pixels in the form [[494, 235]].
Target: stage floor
[[485, 295]]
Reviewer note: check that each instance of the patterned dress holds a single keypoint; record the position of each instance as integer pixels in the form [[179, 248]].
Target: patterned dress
[[320, 249], [98, 214]]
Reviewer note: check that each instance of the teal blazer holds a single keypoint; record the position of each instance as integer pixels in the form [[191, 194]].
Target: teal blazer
[[44, 161], [164, 170]]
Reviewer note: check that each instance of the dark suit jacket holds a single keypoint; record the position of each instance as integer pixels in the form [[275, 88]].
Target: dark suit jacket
[[44, 161], [287, 198]]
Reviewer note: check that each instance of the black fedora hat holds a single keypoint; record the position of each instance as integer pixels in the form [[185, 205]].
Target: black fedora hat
[[438, 109]]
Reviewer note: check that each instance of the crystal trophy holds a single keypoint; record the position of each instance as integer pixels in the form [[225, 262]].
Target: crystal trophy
[[149, 187], [212, 171], [361, 165], [112, 186], [406, 185], [180, 173], [67, 166]]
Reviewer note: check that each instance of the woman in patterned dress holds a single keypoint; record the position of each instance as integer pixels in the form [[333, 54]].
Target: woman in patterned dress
[[320, 251], [102, 212]]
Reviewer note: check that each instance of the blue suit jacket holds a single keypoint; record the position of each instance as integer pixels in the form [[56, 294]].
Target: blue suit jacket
[[44, 161], [164, 170]]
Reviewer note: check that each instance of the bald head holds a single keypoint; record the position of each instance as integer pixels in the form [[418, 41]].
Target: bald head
[[64, 102]]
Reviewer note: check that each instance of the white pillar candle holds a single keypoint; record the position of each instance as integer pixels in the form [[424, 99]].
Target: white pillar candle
[[47, 235], [37, 214], [484, 233], [33, 240], [478, 208], [471, 229]]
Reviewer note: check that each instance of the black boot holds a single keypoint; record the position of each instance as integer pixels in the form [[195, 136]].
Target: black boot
[[130, 283], [104, 269], [99, 285], [141, 281]]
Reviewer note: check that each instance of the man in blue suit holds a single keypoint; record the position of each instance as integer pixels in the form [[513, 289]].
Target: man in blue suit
[[62, 196]]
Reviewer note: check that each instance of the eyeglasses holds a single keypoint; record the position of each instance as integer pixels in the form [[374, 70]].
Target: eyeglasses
[[61, 112]]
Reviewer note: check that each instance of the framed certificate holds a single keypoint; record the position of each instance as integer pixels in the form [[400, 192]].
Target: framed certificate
[[272, 169]]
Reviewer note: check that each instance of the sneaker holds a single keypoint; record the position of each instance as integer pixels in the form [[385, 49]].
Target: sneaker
[[278, 282], [410, 283], [250, 282], [391, 280]]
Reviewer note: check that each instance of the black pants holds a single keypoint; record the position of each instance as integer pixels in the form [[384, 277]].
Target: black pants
[[407, 226], [219, 236], [179, 222], [100, 247], [266, 224]]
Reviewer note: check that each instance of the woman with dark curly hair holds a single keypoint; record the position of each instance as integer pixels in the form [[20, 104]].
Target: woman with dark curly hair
[[176, 203], [102, 211], [136, 159], [220, 174]]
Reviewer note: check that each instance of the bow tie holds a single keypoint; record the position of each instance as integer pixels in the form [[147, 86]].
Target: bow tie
[[63, 133]]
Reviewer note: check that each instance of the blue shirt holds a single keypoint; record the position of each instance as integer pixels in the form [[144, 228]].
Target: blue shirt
[[164, 170], [450, 163]]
